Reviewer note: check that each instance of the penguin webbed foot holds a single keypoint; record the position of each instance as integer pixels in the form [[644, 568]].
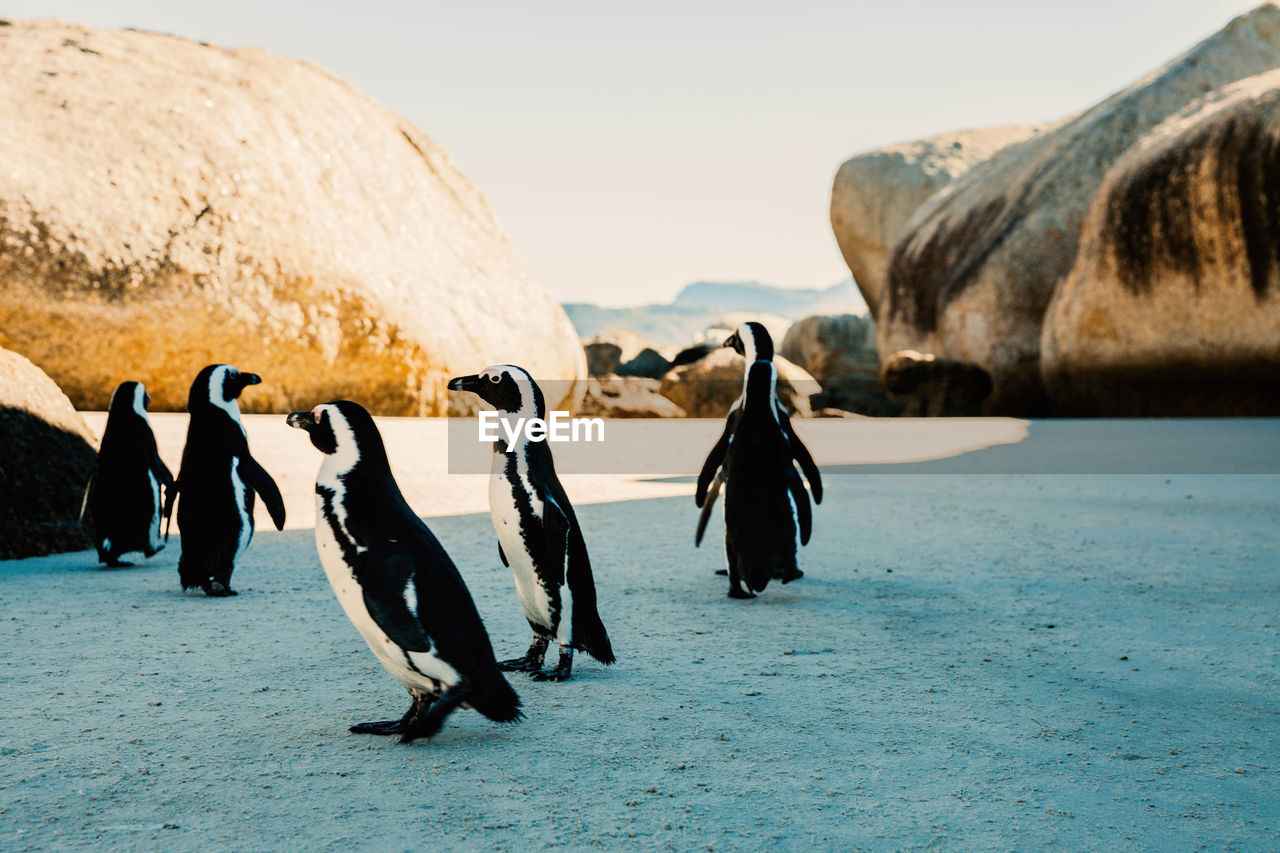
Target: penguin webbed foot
[[789, 575], [722, 572], [564, 668], [532, 660], [215, 589], [385, 727], [738, 592], [420, 724], [117, 563]]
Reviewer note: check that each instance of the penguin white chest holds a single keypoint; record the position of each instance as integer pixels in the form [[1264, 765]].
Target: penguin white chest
[[153, 533], [415, 670], [509, 524]]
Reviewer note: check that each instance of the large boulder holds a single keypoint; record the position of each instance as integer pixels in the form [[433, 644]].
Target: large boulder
[[1173, 307], [706, 388], [926, 386], [47, 458], [972, 278], [840, 352], [166, 204], [876, 192]]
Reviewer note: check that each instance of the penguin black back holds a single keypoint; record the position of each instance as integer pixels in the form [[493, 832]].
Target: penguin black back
[[124, 496]]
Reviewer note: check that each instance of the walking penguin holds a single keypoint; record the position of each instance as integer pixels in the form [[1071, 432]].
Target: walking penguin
[[217, 482], [766, 504], [396, 583], [124, 493], [539, 537]]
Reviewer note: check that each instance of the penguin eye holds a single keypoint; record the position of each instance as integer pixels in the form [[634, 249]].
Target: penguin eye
[[495, 378]]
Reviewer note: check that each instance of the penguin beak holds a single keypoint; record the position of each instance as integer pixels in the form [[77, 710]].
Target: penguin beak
[[465, 383], [146, 400], [732, 341], [244, 380], [301, 420]]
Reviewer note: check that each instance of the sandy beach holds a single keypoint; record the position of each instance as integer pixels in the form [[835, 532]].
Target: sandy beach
[[1027, 658]]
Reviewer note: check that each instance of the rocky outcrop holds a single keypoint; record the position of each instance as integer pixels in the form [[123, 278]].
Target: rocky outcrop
[[627, 397], [840, 352], [166, 204], [708, 387], [875, 193], [927, 386], [971, 279], [47, 459], [1173, 306]]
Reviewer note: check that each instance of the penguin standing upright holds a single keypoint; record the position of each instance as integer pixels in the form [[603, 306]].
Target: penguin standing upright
[[538, 533], [766, 504], [217, 482], [124, 494], [395, 582]]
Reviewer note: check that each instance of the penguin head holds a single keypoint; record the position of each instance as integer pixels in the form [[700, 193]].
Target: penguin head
[[130, 397], [344, 432], [506, 388], [218, 386], [752, 341]]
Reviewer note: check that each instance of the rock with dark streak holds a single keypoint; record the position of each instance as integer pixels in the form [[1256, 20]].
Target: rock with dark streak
[[1173, 306]]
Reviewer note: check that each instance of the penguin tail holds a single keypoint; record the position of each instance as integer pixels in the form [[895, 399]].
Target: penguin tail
[[495, 699], [596, 642]]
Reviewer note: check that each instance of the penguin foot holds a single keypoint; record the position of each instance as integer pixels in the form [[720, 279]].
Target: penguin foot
[[151, 552], [793, 575], [214, 589], [519, 665], [722, 572], [424, 724], [115, 563], [386, 727], [564, 667], [738, 592]]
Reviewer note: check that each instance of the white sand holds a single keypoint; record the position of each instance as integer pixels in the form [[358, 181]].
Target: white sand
[[909, 692]]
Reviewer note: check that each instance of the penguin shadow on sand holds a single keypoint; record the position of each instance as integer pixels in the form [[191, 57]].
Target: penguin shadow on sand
[[539, 537]]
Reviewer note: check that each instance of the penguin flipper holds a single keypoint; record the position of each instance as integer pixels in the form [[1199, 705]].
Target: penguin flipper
[[801, 454], [714, 460], [705, 516], [257, 478], [804, 512], [162, 472], [383, 584], [503, 556], [170, 498]]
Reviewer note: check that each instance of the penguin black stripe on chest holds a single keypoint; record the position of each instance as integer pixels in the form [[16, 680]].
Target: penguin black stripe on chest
[[217, 482], [539, 537], [766, 504], [395, 582], [124, 497]]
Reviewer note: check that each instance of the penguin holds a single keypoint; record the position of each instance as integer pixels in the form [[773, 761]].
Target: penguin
[[217, 481], [539, 537], [767, 483], [124, 493], [396, 583]]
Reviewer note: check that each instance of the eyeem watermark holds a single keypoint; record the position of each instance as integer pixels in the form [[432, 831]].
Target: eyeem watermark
[[492, 427]]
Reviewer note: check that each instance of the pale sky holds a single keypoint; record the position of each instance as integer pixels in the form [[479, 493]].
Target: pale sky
[[631, 148]]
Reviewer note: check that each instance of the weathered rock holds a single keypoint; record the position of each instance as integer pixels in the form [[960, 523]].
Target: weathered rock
[[648, 363], [875, 193], [927, 386], [708, 387], [603, 358], [840, 352], [166, 204], [1173, 306], [627, 397], [972, 277], [47, 459]]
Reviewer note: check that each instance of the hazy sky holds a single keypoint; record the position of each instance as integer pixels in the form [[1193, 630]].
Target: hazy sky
[[632, 148]]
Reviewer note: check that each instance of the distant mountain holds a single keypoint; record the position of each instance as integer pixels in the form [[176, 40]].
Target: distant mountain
[[699, 305]]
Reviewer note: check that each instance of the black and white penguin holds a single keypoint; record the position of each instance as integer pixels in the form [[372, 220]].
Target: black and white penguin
[[396, 583], [766, 504], [538, 533], [217, 482], [124, 495]]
